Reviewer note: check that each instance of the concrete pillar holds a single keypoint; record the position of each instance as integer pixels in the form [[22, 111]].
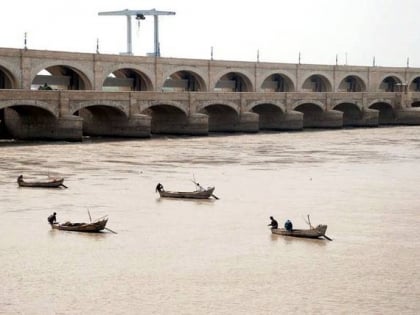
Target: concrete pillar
[[248, 122], [66, 128], [290, 120], [327, 119], [408, 116], [136, 126]]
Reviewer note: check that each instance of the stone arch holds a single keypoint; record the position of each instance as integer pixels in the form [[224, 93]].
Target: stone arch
[[389, 83], [233, 81], [312, 111], [352, 113], [278, 82], [174, 104], [7, 79], [127, 79], [281, 106], [62, 76], [317, 82], [232, 105], [222, 116], [352, 83], [386, 111], [315, 102], [414, 84], [184, 80], [167, 117], [53, 110], [116, 106]]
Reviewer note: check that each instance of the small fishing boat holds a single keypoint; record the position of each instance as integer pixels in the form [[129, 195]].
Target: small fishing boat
[[92, 227], [50, 183], [202, 193], [313, 232]]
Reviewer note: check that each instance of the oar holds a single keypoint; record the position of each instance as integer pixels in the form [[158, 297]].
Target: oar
[[330, 239], [64, 186], [111, 230], [215, 197], [90, 218]]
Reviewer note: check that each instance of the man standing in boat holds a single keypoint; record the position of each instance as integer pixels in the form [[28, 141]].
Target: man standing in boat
[[52, 218], [274, 224]]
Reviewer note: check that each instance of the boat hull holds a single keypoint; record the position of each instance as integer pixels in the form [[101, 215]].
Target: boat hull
[[204, 194], [316, 232], [94, 227], [47, 184]]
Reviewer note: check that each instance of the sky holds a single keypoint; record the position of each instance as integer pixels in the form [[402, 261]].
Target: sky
[[352, 32]]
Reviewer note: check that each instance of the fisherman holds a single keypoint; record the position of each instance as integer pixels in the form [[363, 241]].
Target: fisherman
[[274, 224], [288, 225], [159, 187], [199, 187], [52, 218]]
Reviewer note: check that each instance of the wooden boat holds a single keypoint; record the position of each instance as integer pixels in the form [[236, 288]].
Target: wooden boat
[[198, 194], [50, 183], [92, 227], [312, 232]]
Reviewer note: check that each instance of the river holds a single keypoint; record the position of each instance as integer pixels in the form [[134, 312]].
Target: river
[[215, 256]]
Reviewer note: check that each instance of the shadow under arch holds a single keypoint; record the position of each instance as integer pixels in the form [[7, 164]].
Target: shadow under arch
[[351, 113], [233, 82], [414, 85], [317, 83], [167, 119], [7, 80], [222, 117], [278, 82], [390, 84], [61, 77], [311, 112], [127, 79], [386, 112], [184, 80], [352, 83]]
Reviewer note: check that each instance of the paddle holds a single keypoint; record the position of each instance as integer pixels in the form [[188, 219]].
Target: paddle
[[64, 186], [330, 239], [111, 230], [90, 218], [215, 197]]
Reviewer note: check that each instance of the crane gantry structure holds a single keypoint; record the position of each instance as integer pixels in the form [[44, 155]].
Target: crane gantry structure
[[141, 15]]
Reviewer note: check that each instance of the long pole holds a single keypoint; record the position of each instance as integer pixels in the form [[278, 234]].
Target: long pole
[[129, 44], [157, 48]]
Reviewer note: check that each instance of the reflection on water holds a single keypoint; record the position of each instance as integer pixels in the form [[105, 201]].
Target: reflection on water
[[174, 256]]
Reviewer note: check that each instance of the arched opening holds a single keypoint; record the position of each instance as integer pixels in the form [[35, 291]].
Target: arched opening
[[60, 78], [316, 83], [415, 85], [352, 83], [386, 113], [415, 104], [167, 119], [222, 118], [6, 79], [269, 116], [351, 114], [277, 83], [233, 82], [127, 80], [390, 84], [311, 114], [184, 81]]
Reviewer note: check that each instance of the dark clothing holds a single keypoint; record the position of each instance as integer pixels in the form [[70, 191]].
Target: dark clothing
[[288, 225], [159, 187], [52, 219], [274, 224]]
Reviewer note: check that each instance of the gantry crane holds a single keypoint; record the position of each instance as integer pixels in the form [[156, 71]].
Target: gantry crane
[[140, 15]]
